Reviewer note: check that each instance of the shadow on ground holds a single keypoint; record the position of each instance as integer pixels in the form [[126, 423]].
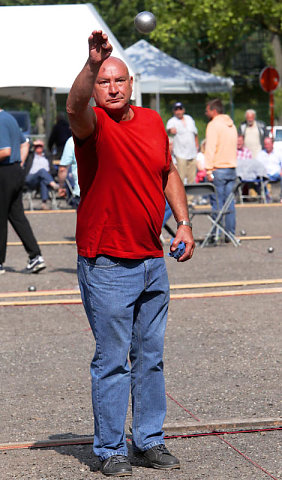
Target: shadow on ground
[[84, 453]]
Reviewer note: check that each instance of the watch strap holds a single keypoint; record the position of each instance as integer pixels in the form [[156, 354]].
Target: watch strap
[[187, 223]]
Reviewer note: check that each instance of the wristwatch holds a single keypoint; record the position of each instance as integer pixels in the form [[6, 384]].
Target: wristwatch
[[184, 222]]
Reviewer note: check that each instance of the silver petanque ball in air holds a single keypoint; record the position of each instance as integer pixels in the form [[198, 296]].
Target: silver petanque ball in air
[[145, 22]]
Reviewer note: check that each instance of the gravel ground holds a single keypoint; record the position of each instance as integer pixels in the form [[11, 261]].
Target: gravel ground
[[222, 358]]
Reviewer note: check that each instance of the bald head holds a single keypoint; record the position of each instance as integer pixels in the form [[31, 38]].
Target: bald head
[[114, 61], [113, 85], [268, 144]]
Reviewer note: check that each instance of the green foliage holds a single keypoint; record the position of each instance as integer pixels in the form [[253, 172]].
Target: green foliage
[[35, 111], [206, 34], [213, 29], [119, 16], [268, 54], [278, 105]]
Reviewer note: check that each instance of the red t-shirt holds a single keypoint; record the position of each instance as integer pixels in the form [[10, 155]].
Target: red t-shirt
[[122, 171]]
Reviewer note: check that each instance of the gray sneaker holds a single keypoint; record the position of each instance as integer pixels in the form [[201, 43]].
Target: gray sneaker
[[35, 264], [2, 269]]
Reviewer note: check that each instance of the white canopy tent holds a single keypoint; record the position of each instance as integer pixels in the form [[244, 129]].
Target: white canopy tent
[[43, 48], [161, 73]]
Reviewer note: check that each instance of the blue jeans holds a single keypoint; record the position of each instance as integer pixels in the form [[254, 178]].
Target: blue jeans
[[41, 179], [224, 181], [126, 302]]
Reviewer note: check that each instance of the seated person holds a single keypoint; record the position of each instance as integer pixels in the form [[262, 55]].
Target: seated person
[[38, 169], [244, 155], [244, 167], [249, 169], [272, 161], [68, 170], [200, 159]]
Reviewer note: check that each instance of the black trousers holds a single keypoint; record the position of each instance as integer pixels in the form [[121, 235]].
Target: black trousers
[[11, 208]]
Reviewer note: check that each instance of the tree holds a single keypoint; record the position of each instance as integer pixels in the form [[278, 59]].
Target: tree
[[119, 16], [215, 28]]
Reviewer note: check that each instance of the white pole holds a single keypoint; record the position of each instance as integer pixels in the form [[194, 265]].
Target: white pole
[[137, 89]]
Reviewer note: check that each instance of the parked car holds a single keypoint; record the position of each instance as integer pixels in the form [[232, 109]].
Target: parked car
[[23, 119]]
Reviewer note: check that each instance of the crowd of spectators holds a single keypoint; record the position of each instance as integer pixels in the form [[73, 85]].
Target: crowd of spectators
[[257, 157]]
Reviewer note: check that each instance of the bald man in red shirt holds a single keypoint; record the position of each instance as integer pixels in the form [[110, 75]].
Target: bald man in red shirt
[[125, 173]]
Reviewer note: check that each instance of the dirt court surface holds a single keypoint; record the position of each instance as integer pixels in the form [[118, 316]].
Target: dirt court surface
[[222, 357]]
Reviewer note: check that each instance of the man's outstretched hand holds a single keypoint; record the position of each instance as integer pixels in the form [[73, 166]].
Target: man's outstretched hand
[[99, 47]]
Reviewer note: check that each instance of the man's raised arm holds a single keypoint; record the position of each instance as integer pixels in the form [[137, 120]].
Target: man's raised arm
[[82, 117]]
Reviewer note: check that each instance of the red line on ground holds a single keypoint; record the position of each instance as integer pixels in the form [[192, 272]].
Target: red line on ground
[[179, 404], [218, 435], [247, 458], [227, 432]]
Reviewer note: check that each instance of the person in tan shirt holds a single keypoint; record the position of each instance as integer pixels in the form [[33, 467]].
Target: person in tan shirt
[[221, 158], [253, 131]]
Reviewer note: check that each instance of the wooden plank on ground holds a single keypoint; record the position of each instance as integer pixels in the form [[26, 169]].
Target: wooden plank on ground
[[231, 283], [183, 286], [226, 293], [175, 296], [255, 237], [208, 427], [45, 242], [25, 303], [36, 212], [39, 293]]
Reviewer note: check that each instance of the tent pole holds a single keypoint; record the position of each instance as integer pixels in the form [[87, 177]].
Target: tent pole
[[138, 93], [50, 111], [47, 114], [158, 102]]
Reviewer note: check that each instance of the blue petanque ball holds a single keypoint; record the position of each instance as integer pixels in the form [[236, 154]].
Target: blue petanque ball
[[179, 251]]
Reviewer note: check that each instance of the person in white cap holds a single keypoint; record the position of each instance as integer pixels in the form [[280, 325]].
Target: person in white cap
[[185, 142]]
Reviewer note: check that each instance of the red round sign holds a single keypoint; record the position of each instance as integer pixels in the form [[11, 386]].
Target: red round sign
[[269, 79]]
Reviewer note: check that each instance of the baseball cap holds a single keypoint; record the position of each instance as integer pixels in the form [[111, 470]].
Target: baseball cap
[[178, 105]]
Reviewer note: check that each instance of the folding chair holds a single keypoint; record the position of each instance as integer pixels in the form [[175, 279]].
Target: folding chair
[[30, 196], [260, 182], [269, 190], [201, 190], [71, 198], [210, 189]]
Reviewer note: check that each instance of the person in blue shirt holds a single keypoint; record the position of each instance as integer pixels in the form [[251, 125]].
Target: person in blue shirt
[[68, 171], [13, 152]]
